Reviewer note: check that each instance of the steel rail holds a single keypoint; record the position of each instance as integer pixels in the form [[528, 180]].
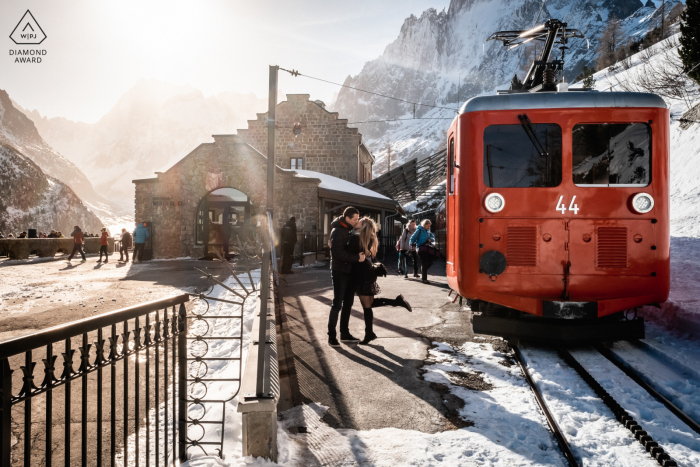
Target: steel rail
[[636, 376], [621, 415], [561, 440]]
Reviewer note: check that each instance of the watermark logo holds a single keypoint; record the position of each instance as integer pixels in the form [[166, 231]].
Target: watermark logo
[[28, 31]]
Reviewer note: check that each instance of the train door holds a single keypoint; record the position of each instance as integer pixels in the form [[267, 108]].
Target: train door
[[451, 198]]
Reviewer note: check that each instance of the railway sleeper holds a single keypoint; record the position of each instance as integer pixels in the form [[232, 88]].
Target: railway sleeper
[[656, 451]]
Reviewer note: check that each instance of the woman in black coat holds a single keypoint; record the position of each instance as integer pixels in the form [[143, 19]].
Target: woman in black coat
[[364, 274]]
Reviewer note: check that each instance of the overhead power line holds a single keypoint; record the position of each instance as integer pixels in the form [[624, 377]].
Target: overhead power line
[[296, 73]]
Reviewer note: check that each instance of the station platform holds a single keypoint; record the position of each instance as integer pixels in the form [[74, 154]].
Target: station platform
[[378, 385]]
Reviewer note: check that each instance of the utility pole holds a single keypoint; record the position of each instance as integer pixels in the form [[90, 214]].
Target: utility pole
[[262, 386]]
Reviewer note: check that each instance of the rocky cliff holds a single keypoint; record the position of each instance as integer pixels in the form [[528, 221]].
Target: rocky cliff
[[31, 199], [20, 132]]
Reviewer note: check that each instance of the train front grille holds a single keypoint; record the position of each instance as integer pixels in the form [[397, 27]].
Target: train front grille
[[611, 247], [522, 246]]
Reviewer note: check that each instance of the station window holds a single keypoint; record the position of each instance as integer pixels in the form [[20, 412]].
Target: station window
[[296, 163], [451, 165], [612, 154], [515, 157]]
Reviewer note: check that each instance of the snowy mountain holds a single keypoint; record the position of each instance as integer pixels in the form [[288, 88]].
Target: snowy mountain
[[152, 126], [31, 199], [442, 59], [685, 132], [20, 132]]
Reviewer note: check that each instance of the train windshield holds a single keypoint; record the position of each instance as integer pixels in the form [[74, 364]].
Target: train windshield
[[612, 154], [520, 156]]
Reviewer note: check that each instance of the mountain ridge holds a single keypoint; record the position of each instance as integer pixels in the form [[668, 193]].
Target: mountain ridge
[[442, 59]]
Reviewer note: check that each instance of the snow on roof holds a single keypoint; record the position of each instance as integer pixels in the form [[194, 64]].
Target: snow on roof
[[329, 182]]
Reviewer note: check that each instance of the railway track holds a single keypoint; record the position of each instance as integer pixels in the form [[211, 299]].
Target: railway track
[[621, 415]]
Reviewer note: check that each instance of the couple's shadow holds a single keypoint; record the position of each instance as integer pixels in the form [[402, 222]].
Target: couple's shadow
[[361, 354]]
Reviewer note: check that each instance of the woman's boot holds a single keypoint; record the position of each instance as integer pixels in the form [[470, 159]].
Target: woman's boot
[[369, 333], [398, 301]]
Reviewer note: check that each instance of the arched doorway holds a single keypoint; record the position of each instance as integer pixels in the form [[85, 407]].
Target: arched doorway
[[223, 215]]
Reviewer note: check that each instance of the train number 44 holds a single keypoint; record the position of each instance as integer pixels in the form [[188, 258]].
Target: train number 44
[[562, 207]]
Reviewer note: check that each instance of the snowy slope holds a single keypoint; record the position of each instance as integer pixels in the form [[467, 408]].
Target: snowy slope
[[685, 139], [20, 132], [151, 127], [442, 59], [31, 199]]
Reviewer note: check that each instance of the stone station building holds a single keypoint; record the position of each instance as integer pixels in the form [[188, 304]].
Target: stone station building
[[214, 195]]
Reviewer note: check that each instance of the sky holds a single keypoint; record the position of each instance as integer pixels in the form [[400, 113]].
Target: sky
[[97, 49]]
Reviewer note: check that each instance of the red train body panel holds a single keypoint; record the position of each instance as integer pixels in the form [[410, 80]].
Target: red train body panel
[[572, 241]]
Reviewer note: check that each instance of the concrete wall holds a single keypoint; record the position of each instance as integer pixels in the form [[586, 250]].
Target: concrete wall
[[171, 200], [21, 248], [326, 144]]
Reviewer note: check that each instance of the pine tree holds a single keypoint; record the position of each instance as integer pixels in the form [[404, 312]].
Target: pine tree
[[690, 38]]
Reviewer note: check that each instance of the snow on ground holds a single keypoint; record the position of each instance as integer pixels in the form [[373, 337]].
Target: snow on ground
[[508, 428]]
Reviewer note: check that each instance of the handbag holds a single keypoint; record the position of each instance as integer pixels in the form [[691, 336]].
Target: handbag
[[430, 251]]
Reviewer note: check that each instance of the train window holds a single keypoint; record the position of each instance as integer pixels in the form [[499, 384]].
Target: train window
[[612, 154], [513, 157], [451, 165]]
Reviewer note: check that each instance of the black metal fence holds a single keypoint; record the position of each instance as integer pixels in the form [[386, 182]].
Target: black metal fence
[[124, 404]]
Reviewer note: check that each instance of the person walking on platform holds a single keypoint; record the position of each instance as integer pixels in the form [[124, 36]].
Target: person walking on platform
[[407, 250], [341, 269], [423, 237], [364, 273], [103, 245], [124, 245], [289, 241], [77, 243], [140, 237]]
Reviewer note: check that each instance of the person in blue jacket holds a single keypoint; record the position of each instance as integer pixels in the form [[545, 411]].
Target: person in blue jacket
[[140, 236], [423, 236]]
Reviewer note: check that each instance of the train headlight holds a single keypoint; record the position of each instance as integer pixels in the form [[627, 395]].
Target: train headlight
[[494, 202], [642, 203]]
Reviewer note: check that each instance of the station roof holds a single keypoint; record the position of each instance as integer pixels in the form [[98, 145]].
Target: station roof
[[561, 100], [413, 179]]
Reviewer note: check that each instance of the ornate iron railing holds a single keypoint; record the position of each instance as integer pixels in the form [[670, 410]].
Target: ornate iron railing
[[198, 368], [129, 374]]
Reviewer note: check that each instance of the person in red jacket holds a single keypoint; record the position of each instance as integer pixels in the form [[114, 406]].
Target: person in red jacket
[[77, 243], [103, 245]]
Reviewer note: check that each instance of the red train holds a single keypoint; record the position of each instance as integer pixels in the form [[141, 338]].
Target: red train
[[558, 208]]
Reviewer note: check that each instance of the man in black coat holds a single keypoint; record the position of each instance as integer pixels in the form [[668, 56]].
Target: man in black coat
[[341, 268], [289, 241]]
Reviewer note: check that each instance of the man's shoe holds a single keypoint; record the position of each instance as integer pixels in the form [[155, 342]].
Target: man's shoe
[[405, 276], [402, 302], [333, 342], [99, 260], [415, 275], [425, 281], [348, 338], [83, 261], [368, 338]]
